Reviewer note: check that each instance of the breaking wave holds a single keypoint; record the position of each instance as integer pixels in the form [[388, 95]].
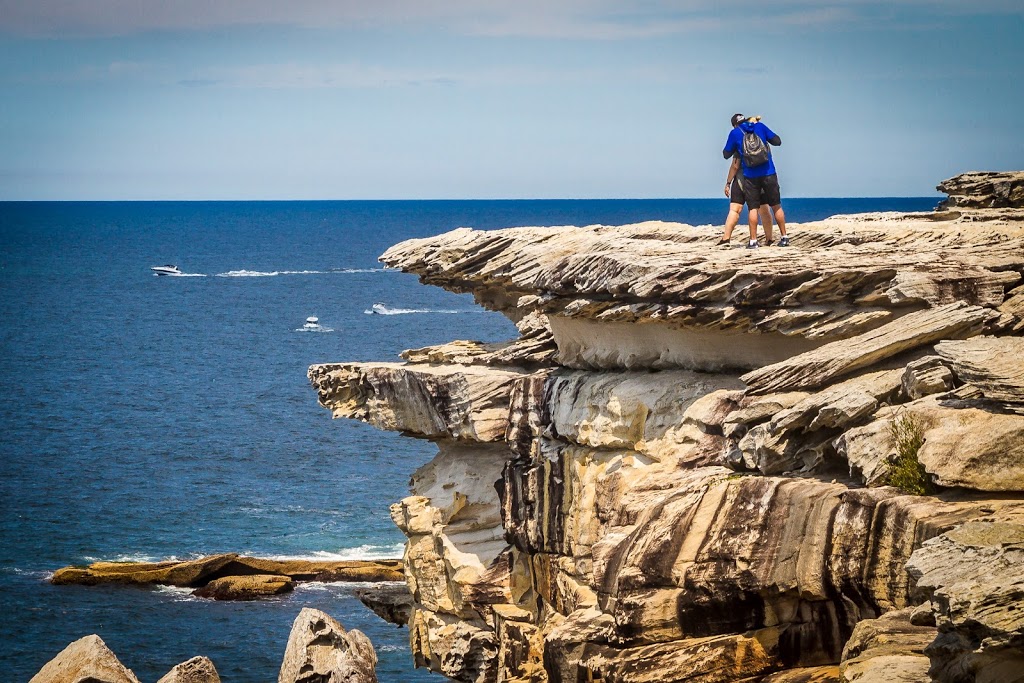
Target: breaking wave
[[362, 552]]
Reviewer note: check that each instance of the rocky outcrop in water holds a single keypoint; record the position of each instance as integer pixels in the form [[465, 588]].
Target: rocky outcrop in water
[[195, 670], [984, 190], [87, 659], [705, 464], [320, 650], [230, 576]]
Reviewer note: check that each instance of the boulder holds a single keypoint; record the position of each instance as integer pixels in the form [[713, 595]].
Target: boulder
[[889, 649], [964, 447], [973, 576], [320, 650], [87, 660], [195, 670], [252, 587], [392, 602], [983, 190], [995, 365], [926, 376]]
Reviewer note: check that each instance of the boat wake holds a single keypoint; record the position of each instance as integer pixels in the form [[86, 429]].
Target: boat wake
[[275, 273], [383, 309]]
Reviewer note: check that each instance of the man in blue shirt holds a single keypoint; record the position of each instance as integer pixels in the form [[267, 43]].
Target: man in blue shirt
[[760, 182]]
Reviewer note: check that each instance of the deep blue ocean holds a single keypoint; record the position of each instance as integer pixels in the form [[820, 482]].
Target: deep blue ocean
[[146, 417]]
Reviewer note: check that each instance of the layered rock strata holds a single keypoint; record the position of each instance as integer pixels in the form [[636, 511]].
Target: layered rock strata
[[683, 475]]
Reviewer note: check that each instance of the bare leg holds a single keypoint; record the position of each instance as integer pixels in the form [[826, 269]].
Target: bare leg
[[780, 218], [731, 220], [766, 221], [752, 221]]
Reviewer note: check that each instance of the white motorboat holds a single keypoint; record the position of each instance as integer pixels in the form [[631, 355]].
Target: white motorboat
[[312, 323], [166, 270]]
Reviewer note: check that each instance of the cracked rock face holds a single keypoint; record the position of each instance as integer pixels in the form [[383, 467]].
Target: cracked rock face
[[320, 650], [973, 577], [679, 471], [195, 670]]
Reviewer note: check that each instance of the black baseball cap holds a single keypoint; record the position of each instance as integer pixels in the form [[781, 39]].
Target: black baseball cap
[[737, 119]]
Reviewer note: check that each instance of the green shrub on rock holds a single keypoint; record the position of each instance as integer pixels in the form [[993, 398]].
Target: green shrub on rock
[[906, 435]]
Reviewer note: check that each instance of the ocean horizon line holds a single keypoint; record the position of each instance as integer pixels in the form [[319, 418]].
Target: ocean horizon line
[[438, 200]]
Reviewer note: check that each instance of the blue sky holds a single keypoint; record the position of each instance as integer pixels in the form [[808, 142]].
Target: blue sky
[[395, 99]]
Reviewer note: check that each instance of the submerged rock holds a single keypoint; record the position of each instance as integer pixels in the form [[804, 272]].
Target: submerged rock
[[320, 650]]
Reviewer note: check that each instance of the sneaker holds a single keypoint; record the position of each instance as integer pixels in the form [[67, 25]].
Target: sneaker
[[784, 242], [722, 243], [769, 243], [752, 244]]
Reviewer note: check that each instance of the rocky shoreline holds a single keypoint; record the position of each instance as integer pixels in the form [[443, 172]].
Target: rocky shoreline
[[701, 464], [706, 464]]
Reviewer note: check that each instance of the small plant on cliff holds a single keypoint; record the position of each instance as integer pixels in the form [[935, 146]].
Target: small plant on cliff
[[906, 435]]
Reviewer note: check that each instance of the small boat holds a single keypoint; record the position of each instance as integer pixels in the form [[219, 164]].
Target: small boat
[[379, 309], [312, 323], [166, 270]]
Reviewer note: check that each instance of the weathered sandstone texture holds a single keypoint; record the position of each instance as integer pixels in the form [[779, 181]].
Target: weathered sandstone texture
[[392, 602], [984, 190], [195, 670], [320, 650], [679, 471], [251, 587], [87, 660]]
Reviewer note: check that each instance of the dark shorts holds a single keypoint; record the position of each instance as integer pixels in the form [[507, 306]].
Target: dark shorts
[[736, 193], [763, 190]]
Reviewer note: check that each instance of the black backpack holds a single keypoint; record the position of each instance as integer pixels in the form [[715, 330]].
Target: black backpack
[[755, 152]]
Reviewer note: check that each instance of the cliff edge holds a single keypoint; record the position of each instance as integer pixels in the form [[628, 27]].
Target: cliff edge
[[706, 464]]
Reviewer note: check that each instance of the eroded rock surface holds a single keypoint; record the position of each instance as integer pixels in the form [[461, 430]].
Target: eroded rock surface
[[87, 660], [679, 471], [252, 587], [195, 670], [320, 650], [973, 577]]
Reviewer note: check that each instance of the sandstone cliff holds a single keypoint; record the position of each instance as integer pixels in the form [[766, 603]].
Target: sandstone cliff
[[680, 471]]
